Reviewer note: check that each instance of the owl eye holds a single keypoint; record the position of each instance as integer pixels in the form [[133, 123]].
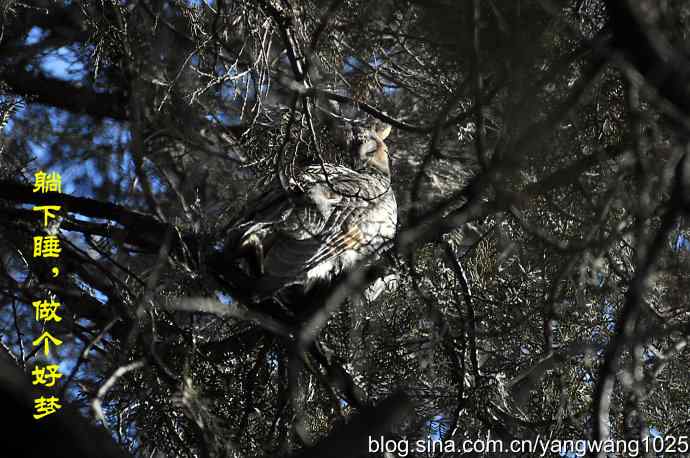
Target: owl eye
[[368, 148]]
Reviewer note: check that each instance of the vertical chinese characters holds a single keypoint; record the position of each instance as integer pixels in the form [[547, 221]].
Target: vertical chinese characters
[[47, 247]]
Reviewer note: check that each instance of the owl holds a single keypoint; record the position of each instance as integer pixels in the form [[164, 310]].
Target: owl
[[321, 224]]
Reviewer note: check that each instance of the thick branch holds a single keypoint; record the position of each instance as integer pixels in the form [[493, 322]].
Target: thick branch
[[650, 52], [23, 194], [61, 94], [352, 439], [376, 113], [627, 322]]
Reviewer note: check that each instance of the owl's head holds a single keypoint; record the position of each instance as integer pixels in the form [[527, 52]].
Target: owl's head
[[371, 151]]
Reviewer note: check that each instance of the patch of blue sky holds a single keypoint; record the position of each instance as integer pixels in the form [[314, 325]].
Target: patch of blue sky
[[66, 366], [57, 118], [6, 319], [119, 165], [18, 275], [95, 177], [112, 133], [196, 3], [69, 173], [88, 219], [93, 292], [587, 378], [129, 437], [35, 35], [230, 90], [437, 427], [242, 87], [571, 453], [41, 155], [63, 63], [610, 315], [390, 88], [73, 390], [273, 360], [158, 185], [264, 88], [9, 126], [351, 64], [224, 298], [224, 118], [375, 61]]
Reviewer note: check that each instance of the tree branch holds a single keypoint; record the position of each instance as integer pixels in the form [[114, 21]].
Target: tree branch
[[39, 88]]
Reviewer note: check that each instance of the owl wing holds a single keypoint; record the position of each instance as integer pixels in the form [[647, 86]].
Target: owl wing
[[323, 224]]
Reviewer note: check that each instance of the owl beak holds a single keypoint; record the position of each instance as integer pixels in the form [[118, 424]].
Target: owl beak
[[379, 159], [375, 145]]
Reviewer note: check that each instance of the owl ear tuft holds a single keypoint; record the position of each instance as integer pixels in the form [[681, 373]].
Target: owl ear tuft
[[383, 131]]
